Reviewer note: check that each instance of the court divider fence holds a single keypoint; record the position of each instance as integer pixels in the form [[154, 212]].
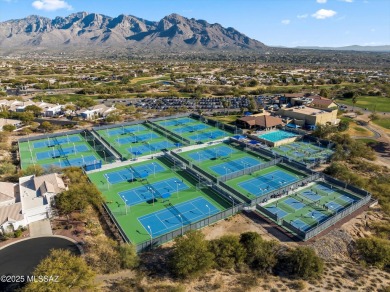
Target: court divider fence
[[52, 135], [156, 241], [215, 123], [162, 131], [249, 170]]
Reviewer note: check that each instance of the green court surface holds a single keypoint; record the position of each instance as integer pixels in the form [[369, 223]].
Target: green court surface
[[263, 181], [304, 151], [140, 204], [222, 159], [312, 205], [61, 151], [136, 140], [193, 130]]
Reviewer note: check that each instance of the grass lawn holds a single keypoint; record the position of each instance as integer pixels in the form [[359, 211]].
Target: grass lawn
[[372, 103], [230, 119], [129, 222], [383, 122]]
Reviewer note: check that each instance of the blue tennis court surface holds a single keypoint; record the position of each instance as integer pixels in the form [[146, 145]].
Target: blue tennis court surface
[[176, 122], [334, 206], [156, 190], [324, 188], [125, 130], [235, 165], [347, 199], [61, 152], [278, 212], [267, 183], [300, 225], [137, 138], [56, 141], [72, 162], [213, 153], [190, 128], [128, 173], [161, 145], [208, 135], [317, 215], [293, 203], [167, 220], [311, 196]]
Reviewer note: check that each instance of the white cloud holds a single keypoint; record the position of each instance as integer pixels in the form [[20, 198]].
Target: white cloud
[[322, 1], [348, 1], [286, 21], [302, 16], [324, 13], [51, 5]]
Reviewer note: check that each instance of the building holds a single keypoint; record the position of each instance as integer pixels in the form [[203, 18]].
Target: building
[[309, 116], [97, 111], [263, 122], [37, 193], [10, 207]]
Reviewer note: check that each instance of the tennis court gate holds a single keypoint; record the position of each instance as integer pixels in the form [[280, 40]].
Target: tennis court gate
[[154, 242]]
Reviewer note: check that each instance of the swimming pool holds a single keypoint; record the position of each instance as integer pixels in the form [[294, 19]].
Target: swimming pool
[[277, 135]]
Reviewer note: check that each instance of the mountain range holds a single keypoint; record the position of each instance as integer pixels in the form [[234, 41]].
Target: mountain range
[[85, 30]]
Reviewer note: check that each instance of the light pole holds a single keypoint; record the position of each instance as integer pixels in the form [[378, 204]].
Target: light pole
[[208, 220], [154, 169], [125, 202], [151, 236], [177, 188], [232, 201], [181, 219], [151, 191]]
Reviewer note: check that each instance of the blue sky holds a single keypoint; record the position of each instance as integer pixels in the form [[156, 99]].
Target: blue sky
[[274, 22]]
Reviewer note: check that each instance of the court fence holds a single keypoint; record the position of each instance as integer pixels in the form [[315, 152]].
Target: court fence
[[52, 135], [159, 240], [177, 116], [106, 127], [249, 170], [262, 151], [119, 228], [217, 124], [364, 198], [164, 130]]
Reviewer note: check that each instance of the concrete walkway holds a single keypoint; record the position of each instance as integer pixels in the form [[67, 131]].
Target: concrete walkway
[[40, 228]]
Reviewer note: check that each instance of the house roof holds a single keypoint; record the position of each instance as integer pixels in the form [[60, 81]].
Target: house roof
[[322, 101], [262, 121], [11, 213], [7, 191], [51, 183]]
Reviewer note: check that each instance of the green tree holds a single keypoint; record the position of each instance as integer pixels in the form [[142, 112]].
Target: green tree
[[36, 110], [35, 169], [304, 263], [9, 128], [191, 256], [69, 272], [374, 251], [260, 254], [324, 92], [228, 251], [128, 255], [46, 126], [343, 125]]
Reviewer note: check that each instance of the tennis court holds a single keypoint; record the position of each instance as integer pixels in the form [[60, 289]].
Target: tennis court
[[306, 209], [234, 165], [190, 129], [211, 153], [261, 185], [175, 216], [131, 172], [61, 151], [125, 130], [207, 136], [304, 151], [276, 211], [176, 122], [154, 191], [137, 138], [50, 142]]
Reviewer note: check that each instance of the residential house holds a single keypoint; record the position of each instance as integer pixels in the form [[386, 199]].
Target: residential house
[[97, 111], [4, 122]]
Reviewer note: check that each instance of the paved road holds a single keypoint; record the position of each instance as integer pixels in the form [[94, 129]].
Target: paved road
[[21, 258]]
